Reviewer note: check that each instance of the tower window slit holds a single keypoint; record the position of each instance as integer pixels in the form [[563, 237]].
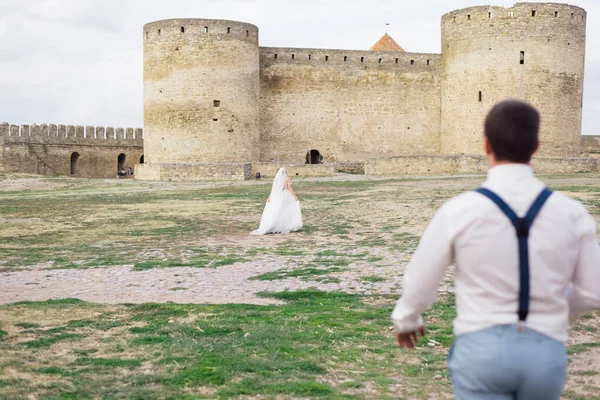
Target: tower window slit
[[412, 62], [522, 60], [275, 56], [247, 32], [159, 32], [533, 13], [309, 57], [206, 29], [555, 14], [362, 59], [326, 58], [427, 62], [468, 17], [228, 30], [345, 58], [480, 96], [293, 56], [183, 29], [396, 60], [491, 15], [380, 61]]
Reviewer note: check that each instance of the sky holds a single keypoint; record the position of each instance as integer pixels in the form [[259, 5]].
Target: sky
[[80, 62]]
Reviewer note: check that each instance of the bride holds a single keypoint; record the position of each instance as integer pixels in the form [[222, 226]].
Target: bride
[[282, 212]]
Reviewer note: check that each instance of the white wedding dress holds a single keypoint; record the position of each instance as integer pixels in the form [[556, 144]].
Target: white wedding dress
[[282, 212]]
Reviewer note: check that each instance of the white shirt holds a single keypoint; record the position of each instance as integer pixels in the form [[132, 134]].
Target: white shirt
[[470, 229]]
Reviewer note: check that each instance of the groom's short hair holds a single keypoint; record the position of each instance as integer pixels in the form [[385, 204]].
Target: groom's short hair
[[512, 128]]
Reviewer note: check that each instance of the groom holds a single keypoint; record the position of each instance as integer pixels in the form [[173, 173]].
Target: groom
[[518, 279]]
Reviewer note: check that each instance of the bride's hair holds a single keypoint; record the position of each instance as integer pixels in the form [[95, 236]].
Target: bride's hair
[[279, 182]]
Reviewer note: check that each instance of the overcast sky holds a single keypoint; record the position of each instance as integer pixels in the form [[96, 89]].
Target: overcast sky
[[80, 61]]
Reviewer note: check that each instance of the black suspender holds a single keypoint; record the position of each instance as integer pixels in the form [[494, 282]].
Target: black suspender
[[522, 227]]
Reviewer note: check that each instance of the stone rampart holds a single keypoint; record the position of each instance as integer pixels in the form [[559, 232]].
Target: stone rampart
[[50, 149], [465, 164], [348, 105], [182, 172]]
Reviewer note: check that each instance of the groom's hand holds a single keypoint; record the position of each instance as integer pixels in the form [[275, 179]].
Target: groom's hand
[[409, 339]]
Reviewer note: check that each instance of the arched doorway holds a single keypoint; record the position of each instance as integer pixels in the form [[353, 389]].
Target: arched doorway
[[314, 157], [121, 162], [142, 159], [75, 163]]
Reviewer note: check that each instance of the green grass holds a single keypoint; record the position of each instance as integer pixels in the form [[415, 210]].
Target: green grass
[[582, 347], [174, 350], [373, 279]]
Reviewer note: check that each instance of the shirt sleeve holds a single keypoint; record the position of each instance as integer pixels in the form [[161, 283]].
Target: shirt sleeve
[[424, 273], [584, 289]]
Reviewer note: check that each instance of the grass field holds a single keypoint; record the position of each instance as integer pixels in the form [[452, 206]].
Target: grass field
[[311, 344]]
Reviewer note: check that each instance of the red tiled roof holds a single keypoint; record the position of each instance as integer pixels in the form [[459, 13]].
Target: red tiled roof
[[386, 43]]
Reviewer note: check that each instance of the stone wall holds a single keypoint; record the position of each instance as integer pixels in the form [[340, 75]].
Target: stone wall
[[348, 105], [464, 164], [532, 51], [193, 172], [590, 145], [90, 152], [201, 84], [269, 170]]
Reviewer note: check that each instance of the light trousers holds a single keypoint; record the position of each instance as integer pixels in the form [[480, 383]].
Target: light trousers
[[501, 363]]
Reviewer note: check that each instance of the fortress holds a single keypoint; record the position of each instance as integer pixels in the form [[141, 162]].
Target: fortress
[[218, 106]]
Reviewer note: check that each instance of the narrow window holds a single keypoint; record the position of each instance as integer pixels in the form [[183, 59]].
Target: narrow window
[[159, 32], [206, 29], [522, 58], [468, 17], [362, 59], [293, 56], [396, 61], [247, 32], [480, 96], [228, 30], [326, 58], [427, 62], [454, 19], [345, 58], [275, 57], [572, 15], [217, 103], [412, 62], [533, 13], [491, 15], [512, 14], [555, 14], [380, 61], [183, 29], [309, 57]]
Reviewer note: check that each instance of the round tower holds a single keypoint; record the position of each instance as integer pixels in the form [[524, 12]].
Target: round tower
[[201, 88], [532, 51]]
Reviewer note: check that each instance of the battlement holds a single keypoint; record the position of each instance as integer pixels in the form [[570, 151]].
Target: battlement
[[53, 134], [350, 59], [172, 30], [531, 19]]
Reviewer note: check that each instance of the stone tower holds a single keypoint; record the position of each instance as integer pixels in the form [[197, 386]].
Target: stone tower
[[201, 95], [532, 51]]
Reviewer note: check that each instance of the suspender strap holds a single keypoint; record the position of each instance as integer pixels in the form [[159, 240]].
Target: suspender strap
[[522, 227]]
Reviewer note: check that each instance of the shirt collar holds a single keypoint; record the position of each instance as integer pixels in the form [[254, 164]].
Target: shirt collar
[[510, 172]]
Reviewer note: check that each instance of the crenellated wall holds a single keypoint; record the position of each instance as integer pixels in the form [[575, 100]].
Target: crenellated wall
[[348, 105], [218, 106], [49, 149]]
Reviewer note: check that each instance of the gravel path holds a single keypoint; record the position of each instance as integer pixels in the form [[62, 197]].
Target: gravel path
[[227, 284]]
